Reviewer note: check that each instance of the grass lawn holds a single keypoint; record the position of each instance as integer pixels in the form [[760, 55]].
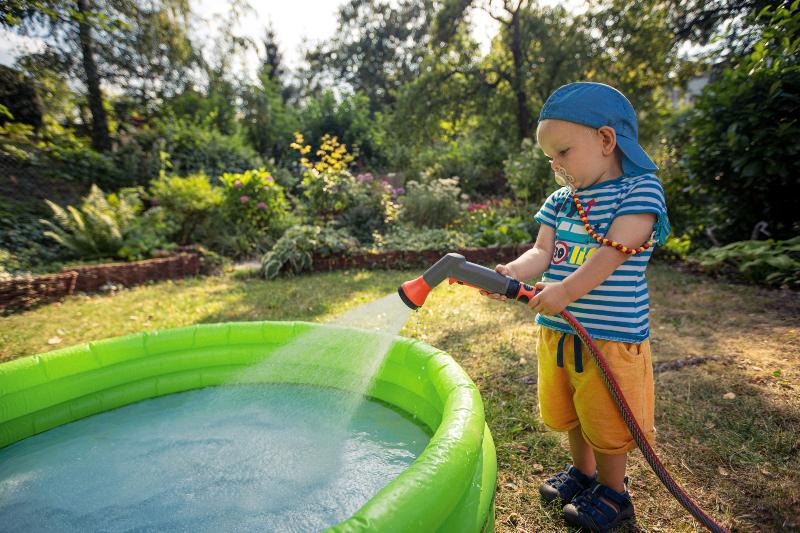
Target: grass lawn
[[738, 457]]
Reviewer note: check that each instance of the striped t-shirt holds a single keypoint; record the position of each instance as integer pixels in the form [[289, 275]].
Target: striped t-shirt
[[618, 308]]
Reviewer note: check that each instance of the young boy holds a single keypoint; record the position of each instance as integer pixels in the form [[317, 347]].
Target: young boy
[[589, 130]]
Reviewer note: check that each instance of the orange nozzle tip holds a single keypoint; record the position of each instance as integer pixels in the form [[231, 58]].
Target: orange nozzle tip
[[414, 292]]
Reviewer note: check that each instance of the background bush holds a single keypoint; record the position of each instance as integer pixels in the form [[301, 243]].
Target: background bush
[[372, 210], [255, 213], [497, 225], [191, 202], [406, 237], [529, 174], [435, 203], [742, 139], [195, 145], [772, 263], [295, 250]]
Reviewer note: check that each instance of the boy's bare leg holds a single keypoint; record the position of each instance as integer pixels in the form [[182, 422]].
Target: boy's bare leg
[[611, 470], [582, 454]]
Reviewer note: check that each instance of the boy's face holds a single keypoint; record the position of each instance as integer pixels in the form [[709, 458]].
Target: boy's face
[[577, 149]]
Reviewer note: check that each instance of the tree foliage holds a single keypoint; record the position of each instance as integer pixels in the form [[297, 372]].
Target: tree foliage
[[376, 48], [742, 137]]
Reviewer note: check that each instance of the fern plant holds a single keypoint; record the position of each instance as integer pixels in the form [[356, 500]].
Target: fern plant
[[104, 226]]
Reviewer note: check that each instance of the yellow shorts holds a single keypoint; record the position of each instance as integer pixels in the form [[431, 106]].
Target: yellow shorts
[[568, 398]]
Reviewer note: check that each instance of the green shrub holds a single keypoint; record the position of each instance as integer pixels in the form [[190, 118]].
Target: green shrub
[[62, 155], [431, 204], [496, 225], [9, 264], [108, 226], [373, 208], [255, 211], [148, 233], [675, 248], [190, 201], [296, 249], [771, 263], [328, 187], [347, 117], [404, 237], [742, 155], [328, 193], [21, 232], [197, 146], [529, 174]]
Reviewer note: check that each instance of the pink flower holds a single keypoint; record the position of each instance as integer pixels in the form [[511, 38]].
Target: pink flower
[[244, 199], [269, 178], [237, 184], [262, 205], [476, 207]]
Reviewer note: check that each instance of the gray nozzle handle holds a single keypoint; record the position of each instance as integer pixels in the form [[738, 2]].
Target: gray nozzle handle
[[456, 266]]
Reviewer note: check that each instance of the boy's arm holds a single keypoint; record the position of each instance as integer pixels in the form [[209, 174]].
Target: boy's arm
[[535, 261], [631, 230], [530, 264]]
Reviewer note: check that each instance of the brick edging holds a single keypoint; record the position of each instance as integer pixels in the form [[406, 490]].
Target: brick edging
[[23, 292]]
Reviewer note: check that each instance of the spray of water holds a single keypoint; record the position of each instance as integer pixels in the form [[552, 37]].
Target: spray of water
[[325, 350]]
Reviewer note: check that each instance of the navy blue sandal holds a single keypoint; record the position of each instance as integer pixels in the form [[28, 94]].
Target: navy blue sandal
[[566, 485], [588, 511]]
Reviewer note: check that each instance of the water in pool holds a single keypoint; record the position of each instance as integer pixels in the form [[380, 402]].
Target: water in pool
[[239, 458]]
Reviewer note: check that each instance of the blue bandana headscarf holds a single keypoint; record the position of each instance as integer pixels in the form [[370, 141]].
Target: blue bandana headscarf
[[597, 105]]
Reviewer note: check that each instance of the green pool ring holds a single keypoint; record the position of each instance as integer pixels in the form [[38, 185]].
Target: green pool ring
[[450, 487]]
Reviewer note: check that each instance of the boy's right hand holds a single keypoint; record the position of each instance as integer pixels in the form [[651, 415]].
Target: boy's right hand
[[506, 271]]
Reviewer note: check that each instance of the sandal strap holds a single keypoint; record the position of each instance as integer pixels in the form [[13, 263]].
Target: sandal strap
[[570, 482], [622, 500], [598, 511]]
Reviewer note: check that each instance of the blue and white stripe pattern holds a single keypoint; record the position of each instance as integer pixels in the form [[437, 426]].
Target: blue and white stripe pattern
[[618, 308]]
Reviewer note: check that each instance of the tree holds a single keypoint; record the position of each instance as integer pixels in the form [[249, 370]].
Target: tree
[[697, 21], [152, 59], [464, 114], [116, 41], [269, 122], [377, 48], [634, 52], [19, 97], [547, 48]]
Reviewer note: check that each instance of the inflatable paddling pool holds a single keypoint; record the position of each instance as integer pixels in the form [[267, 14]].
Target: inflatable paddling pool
[[449, 487]]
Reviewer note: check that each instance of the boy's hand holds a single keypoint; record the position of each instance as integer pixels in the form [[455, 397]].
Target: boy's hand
[[506, 271], [552, 299]]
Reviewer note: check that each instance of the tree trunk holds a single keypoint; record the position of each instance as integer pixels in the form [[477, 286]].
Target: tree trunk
[[101, 140], [519, 76]]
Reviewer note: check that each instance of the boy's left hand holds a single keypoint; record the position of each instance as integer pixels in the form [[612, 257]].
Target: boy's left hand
[[552, 299]]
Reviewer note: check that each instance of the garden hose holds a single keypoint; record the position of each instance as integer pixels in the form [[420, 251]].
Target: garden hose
[[459, 270]]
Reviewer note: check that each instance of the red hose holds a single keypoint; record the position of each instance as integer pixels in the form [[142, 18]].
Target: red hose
[[636, 431]]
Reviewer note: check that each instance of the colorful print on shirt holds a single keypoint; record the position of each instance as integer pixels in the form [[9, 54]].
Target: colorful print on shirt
[[618, 308]]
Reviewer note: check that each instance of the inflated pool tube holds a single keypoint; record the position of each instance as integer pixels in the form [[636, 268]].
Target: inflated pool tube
[[450, 487]]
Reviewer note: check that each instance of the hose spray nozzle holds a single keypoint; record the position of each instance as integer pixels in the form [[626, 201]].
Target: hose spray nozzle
[[458, 270]]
